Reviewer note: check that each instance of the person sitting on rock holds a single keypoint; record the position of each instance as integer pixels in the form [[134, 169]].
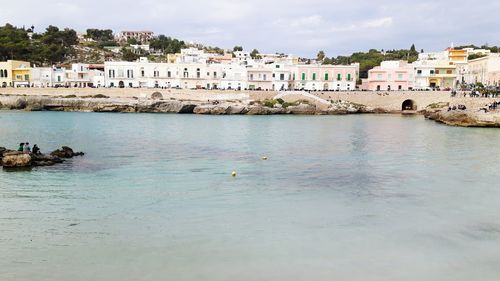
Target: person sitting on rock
[[27, 148], [36, 150], [21, 147]]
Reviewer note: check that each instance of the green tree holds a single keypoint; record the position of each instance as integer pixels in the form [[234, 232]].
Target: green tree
[[100, 35], [166, 44], [14, 43], [237, 48], [128, 55], [254, 54], [320, 56]]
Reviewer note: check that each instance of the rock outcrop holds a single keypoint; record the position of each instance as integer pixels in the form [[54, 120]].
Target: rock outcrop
[[128, 105], [16, 159], [465, 118]]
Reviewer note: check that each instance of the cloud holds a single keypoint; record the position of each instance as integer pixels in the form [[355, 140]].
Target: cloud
[[381, 22], [289, 26]]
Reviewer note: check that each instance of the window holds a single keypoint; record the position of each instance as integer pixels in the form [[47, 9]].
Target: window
[[19, 77], [437, 71], [156, 73], [349, 77], [432, 72], [26, 77], [1, 73], [400, 76], [265, 77], [314, 76], [339, 77], [58, 78], [449, 71], [111, 73], [142, 72], [130, 73], [215, 74], [186, 73], [198, 73], [169, 74], [282, 76], [326, 76], [5, 73], [379, 76], [251, 77], [303, 76], [274, 75], [419, 71], [389, 77]]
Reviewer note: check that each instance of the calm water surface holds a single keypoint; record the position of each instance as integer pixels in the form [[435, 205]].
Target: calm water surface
[[341, 198]]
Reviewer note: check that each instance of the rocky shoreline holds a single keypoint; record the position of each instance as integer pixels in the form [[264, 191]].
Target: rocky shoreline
[[16, 159], [465, 118], [228, 107], [298, 106]]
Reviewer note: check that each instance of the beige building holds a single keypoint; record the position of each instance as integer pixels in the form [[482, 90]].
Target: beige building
[[15, 73], [485, 70]]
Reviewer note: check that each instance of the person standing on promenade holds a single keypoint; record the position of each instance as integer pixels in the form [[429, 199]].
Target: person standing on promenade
[[21, 147]]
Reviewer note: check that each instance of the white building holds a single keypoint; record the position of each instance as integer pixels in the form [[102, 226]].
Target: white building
[[46, 77], [485, 70]]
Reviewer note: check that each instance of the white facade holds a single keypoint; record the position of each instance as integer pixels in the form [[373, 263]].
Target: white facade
[[46, 77], [485, 70]]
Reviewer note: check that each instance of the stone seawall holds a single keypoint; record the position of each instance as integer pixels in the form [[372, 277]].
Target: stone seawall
[[386, 101]]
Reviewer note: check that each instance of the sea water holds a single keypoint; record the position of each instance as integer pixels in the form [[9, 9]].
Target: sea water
[[362, 197]]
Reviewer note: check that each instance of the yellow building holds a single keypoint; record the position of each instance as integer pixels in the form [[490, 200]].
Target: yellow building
[[15, 73], [457, 56], [444, 76]]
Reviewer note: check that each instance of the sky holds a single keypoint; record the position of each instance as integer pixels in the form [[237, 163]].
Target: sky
[[285, 26]]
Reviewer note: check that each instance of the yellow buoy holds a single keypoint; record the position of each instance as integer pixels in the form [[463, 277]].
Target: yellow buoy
[[233, 174], [264, 157]]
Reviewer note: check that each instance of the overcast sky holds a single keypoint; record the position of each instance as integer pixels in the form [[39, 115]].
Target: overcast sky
[[288, 26]]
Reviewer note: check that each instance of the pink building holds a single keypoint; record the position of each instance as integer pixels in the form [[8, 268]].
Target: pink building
[[389, 76]]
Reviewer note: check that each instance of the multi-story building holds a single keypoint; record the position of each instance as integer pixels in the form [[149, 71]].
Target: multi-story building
[[46, 77], [14, 73], [315, 77], [390, 75], [140, 36], [259, 77], [485, 70], [434, 74]]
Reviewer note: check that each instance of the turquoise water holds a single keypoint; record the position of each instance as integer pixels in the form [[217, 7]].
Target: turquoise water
[[366, 197]]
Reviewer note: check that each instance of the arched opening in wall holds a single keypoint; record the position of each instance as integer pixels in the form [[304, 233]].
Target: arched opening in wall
[[157, 96], [388, 87], [4, 85], [121, 84], [378, 87], [409, 105]]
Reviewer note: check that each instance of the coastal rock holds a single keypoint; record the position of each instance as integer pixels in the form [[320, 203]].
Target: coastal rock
[[236, 109], [65, 152], [19, 104], [257, 109], [45, 160], [303, 109], [465, 118], [16, 160]]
